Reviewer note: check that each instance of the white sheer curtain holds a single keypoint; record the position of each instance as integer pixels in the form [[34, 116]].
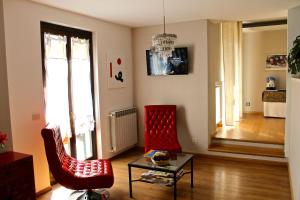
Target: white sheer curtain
[[57, 89], [56, 83], [82, 101], [232, 61]]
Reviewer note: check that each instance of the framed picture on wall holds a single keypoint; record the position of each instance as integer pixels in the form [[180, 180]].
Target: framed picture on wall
[[276, 62], [116, 71]]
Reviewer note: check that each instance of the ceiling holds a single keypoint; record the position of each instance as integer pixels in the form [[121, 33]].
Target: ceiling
[[136, 13]]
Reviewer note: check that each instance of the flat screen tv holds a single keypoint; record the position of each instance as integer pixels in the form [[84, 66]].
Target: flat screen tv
[[177, 64]]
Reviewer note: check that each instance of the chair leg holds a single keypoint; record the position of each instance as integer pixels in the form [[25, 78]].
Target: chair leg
[[90, 195], [76, 194]]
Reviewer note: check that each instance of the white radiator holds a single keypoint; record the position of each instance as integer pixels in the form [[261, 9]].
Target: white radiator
[[123, 129]]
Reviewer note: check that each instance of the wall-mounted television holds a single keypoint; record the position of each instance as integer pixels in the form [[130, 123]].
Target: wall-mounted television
[[177, 64]]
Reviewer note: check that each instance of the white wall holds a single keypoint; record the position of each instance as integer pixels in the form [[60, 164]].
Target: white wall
[[293, 110], [4, 100], [23, 49], [256, 46], [214, 70], [188, 92]]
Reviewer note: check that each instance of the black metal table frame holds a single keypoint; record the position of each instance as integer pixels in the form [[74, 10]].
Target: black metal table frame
[[130, 165]]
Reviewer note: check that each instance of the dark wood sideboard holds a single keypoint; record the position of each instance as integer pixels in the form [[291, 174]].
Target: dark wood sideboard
[[16, 176]]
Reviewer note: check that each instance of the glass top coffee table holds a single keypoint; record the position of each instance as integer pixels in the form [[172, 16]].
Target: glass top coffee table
[[174, 169]]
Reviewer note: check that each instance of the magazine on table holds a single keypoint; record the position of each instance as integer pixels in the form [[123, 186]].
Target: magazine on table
[[151, 153], [163, 178]]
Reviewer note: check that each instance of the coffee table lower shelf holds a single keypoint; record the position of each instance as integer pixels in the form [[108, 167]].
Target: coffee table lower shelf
[[162, 183]]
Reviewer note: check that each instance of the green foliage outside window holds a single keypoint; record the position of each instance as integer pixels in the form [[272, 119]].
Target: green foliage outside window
[[294, 58]]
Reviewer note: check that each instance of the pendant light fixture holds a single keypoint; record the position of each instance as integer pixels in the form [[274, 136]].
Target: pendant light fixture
[[163, 43]]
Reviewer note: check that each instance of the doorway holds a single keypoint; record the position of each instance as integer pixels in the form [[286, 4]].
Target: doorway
[[261, 124]]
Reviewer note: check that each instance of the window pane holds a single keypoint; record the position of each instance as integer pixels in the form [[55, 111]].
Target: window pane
[[82, 101], [56, 85], [84, 146]]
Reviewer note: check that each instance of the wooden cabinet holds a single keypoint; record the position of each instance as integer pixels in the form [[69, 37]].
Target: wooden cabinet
[[16, 176]]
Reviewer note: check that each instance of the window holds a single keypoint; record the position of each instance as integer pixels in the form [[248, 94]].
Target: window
[[68, 87]]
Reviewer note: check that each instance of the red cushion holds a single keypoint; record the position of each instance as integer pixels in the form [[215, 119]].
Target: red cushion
[[72, 173], [160, 128]]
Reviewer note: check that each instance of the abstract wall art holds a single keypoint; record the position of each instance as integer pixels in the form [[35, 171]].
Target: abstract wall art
[[116, 71]]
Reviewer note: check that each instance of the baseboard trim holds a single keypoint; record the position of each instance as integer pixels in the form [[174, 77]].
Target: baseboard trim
[[43, 191]]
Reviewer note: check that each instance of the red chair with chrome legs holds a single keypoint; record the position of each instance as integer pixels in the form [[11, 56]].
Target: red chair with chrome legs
[[160, 128], [74, 174]]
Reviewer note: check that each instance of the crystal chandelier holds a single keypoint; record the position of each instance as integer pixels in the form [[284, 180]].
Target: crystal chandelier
[[163, 43]]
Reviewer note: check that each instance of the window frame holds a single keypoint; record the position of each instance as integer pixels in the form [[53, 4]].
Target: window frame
[[71, 32]]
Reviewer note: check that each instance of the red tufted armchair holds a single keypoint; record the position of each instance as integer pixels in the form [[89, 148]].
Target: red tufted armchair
[[74, 174], [160, 128]]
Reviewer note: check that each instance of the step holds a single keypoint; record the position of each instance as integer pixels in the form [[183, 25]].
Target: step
[[244, 143], [247, 150], [244, 140]]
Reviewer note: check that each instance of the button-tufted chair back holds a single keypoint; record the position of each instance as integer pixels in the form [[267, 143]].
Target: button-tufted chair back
[[55, 151], [70, 172], [160, 128]]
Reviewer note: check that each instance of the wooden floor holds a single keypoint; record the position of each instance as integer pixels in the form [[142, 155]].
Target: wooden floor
[[255, 128], [214, 179]]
